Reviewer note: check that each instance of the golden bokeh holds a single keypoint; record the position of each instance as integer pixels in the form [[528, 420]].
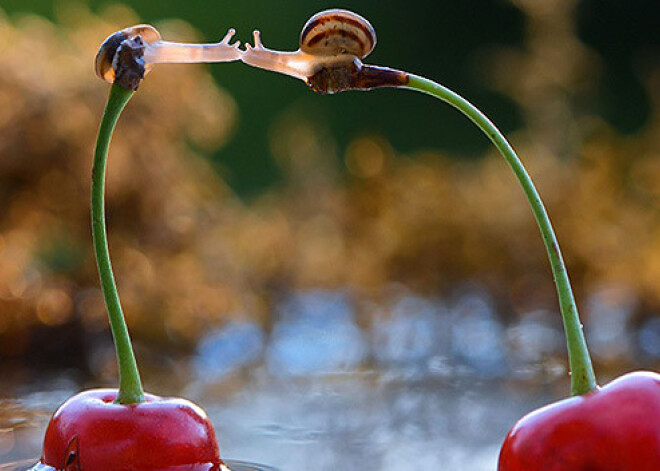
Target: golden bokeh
[[189, 254]]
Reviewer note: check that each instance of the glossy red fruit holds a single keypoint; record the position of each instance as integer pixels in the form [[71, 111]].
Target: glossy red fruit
[[616, 427], [89, 432]]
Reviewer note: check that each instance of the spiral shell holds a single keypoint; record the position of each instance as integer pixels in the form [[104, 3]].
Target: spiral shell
[[105, 57], [334, 32]]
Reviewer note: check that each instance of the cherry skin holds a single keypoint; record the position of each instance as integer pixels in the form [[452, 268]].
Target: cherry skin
[[90, 432], [616, 427]]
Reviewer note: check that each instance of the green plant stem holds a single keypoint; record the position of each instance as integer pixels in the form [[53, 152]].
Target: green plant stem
[[130, 386], [583, 379]]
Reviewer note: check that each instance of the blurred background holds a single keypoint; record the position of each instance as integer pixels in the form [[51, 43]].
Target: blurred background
[[351, 280]]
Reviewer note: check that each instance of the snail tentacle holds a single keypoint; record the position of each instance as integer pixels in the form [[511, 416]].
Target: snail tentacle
[[295, 63]]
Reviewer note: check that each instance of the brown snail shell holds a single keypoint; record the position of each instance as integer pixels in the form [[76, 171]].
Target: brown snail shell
[[106, 55], [336, 32]]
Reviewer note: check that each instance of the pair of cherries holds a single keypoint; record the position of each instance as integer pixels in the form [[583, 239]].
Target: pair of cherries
[[616, 427]]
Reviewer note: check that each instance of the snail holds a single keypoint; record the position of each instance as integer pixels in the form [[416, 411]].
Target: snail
[[127, 55], [332, 46]]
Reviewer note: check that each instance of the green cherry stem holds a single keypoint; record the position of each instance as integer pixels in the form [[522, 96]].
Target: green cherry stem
[[130, 386], [351, 38], [583, 379]]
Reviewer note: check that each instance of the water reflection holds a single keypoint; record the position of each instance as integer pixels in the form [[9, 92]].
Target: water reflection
[[537, 335], [609, 311], [316, 333], [224, 351], [406, 381], [648, 338], [478, 335], [537, 346], [341, 422], [413, 333], [329, 423], [243, 466]]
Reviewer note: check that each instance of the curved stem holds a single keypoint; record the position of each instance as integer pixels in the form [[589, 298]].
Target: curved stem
[[130, 386], [583, 379]]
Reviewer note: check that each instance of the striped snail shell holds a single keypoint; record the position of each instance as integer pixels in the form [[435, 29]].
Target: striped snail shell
[[337, 32], [106, 55]]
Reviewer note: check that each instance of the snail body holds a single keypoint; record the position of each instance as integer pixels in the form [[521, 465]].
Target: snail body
[[298, 64], [333, 44]]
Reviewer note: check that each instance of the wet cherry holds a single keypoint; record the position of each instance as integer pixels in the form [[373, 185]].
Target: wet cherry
[[91, 432], [616, 427]]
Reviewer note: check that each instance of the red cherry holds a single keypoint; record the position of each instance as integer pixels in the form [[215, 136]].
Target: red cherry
[[90, 432], [616, 427]]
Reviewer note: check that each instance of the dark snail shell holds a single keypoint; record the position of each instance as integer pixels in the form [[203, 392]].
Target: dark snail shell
[[334, 32], [106, 55]]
